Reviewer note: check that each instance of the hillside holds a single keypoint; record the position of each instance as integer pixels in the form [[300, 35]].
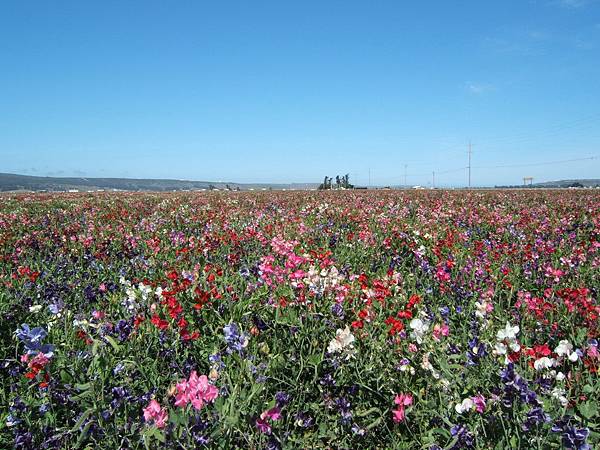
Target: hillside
[[14, 182]]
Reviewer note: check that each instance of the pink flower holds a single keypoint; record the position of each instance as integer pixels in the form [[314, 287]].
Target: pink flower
[[297, 275], [402, 400], [196, 390], [270, 414], [273, 414], [154, 412], [263, 426], [398, 415], [294, 261], [440, 330], [479, 401]]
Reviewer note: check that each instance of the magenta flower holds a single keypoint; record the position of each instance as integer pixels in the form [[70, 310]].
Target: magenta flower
[[270, 414], [402, 400], [263, 426], [154, 412], [479, 402]]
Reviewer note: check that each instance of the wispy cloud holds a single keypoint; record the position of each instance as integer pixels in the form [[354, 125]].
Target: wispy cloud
[[479, 88], [520, 45], [573, 4], [538, 35], [538, 42]]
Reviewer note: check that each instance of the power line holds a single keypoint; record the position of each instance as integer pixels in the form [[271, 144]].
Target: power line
[[539, 163], [542, 163], [451, 170]]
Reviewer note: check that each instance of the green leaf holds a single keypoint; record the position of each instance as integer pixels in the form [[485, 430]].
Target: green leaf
[[111, 340], [588, 409], [82, 419], [588, 389]]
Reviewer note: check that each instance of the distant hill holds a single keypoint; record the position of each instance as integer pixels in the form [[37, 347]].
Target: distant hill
[[594, 182], [14, 182]]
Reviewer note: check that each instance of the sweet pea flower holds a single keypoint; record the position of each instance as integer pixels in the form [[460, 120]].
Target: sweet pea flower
[[343, 341], [196, 390], [402, 400], [466, 405], [479, 401], [419, 328], [476, 403], [262, 423], [440, 330], [155, 413], [565, 348], [544, 363]]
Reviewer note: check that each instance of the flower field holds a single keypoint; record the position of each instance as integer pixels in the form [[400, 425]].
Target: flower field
[[374, 319]]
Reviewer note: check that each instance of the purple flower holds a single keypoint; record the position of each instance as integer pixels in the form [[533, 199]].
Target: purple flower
[[572, 437], [32, 340], [464, 438], [282, 398], [123, 329], [236, 341], [337, 310]]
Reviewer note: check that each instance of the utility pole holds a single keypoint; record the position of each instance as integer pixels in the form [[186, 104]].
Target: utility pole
[[469, 166], [433, 179], [405, 166]]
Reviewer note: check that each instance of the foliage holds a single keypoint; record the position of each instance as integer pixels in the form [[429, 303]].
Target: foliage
[[300, 320]]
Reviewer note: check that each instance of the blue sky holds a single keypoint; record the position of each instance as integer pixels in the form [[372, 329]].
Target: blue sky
[[259, 91]]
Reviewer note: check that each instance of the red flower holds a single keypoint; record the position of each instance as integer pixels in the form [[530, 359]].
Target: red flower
[[159, 323]]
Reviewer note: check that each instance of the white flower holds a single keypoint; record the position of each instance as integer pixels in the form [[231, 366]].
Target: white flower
[[419, 328], [560, 395], [508, 333], [507, 339], [343, 339], [500, 348], [466, 405], [145, 290], [481, 309], [560, 376], [131, 295], [564, 348], [544, 363], [35, 308]]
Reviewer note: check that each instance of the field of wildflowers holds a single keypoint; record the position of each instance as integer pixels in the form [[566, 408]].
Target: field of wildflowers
[[384, 319]]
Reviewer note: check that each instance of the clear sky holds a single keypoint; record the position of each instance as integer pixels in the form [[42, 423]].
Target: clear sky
[[278, 91]]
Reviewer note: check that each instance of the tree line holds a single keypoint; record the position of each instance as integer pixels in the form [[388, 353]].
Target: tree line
[[341, 182]]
